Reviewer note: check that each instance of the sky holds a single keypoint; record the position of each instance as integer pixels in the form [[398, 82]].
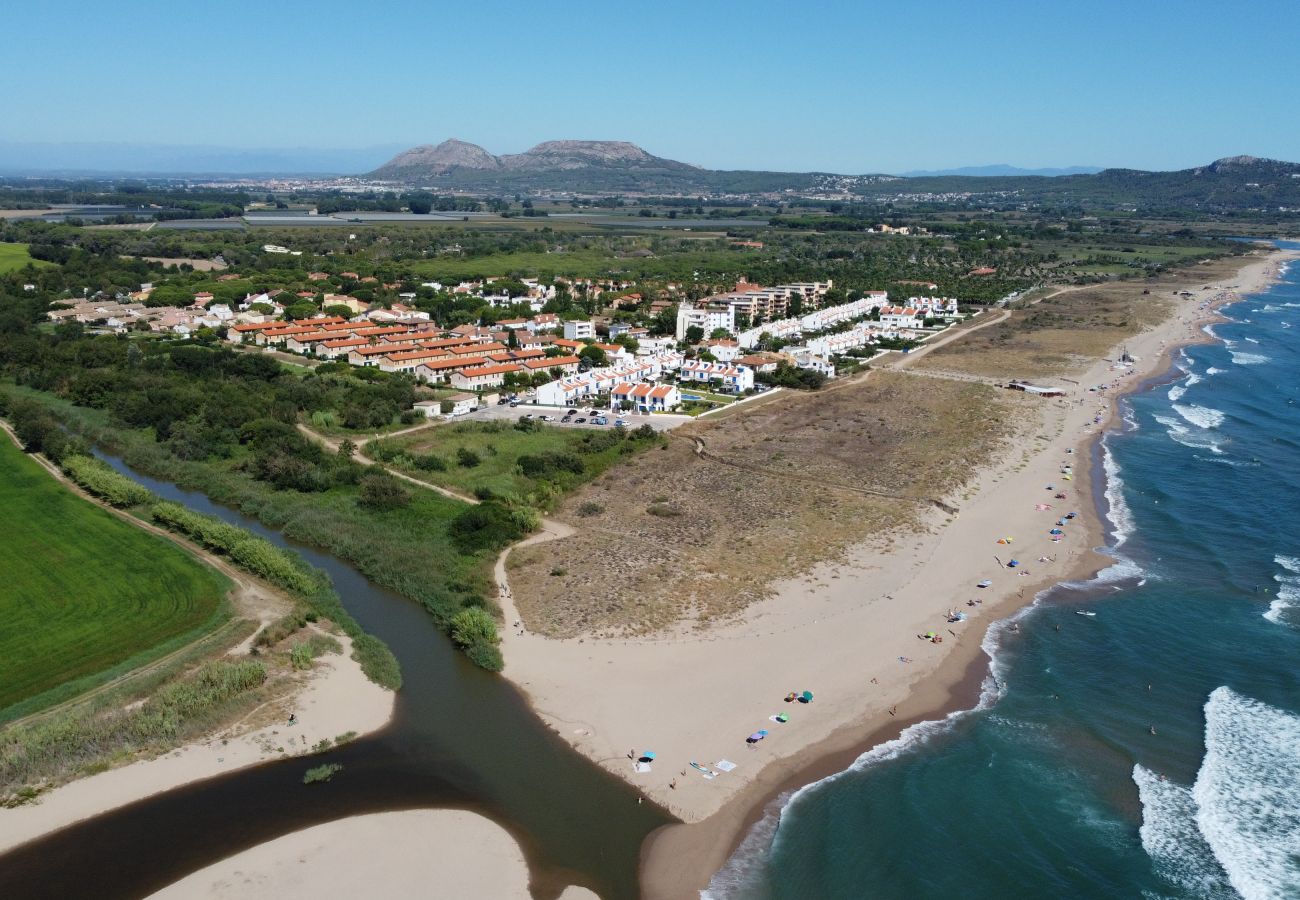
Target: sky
[[852, 87]]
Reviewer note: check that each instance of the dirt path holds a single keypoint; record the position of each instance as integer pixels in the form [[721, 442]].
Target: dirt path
[[253, 600], [367, 461]]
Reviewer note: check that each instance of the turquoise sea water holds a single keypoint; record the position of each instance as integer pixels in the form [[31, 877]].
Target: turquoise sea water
[[1057, 786]]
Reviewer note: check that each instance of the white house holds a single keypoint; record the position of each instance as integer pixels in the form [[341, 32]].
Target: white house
[[723, 377], [579, 331], [460, 405], [647, 397], [723, 350]]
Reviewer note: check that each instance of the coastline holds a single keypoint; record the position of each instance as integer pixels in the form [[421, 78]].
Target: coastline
[[680, 860], [841, 630], [335, 698]]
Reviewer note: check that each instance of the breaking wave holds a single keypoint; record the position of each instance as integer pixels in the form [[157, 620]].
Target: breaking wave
[[1248, 359], [1200, 416], [1181, 434], [1288, 591], [1170, 837], [1247, 794], [1121, 517]]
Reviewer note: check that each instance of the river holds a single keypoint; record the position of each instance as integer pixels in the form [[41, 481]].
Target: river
[[460, 738]]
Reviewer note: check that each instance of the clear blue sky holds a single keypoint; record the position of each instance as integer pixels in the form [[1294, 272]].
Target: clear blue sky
[[854, 87]]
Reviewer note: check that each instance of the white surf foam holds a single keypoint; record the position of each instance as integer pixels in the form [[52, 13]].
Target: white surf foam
[[1170, 837], [1247, 794], [1200, 416], [1248, 359], [1252, 340], [1213, 371], [1121, 517], [1176, 392], [1288, 590], [1181, 434]]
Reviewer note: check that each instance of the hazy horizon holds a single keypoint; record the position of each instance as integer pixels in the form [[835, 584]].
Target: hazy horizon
[[840, 87]]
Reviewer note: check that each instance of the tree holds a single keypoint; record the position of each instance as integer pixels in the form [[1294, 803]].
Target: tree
[[347, 449], [594, 356], [719, 334], [338, 309], [420, 206], [694, 334]]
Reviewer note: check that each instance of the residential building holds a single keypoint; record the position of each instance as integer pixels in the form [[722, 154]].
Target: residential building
[[476, 377], [718, 376], [580, 330], [706, 319]]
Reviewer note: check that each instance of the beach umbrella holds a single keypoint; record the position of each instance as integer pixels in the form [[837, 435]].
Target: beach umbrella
[[1056, 531], [984, 584], [1002, 540], [806, 697], [648, 756], [756, 737], [1013, 564], [782, 718]]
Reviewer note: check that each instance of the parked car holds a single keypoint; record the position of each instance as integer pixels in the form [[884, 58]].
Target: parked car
[[514, 403], [580, 420], [620, 421], [502, 401], [546, 418], [600, 420], [572, 410]]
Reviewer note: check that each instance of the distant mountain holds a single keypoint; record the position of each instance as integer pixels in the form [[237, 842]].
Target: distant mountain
[[588, 167], [609, 164], [1002, 169]]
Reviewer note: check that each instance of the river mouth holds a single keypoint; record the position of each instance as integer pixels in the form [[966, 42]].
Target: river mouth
[[460, 738]]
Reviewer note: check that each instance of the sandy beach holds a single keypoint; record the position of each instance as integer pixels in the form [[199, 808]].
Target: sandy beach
[[337, 698], [413, 853], [847, 631]]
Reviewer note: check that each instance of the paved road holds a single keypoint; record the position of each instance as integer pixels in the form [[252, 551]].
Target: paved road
[[505, 412]]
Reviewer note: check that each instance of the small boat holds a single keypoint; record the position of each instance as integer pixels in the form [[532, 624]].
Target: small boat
[[1085, 612]]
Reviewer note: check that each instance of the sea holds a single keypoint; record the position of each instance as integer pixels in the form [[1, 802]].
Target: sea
[[1151, 750]]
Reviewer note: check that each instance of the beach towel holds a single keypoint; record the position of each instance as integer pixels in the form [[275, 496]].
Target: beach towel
[[724, 765], [642, 767]]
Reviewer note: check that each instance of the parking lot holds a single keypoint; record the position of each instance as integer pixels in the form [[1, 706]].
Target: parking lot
[[659, 422]]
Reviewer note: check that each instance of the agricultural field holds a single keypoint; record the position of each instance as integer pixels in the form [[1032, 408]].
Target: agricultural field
[[15, 256], [482, 457], [85, 595]]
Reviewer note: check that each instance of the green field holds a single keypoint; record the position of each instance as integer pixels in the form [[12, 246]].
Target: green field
[[498, 447], [15, 256], [84, 594]]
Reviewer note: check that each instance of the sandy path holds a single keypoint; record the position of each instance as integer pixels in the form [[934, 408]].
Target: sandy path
[[429, 853]]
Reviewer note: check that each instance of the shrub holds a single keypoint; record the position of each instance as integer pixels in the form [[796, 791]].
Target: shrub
[[590, 508], [99, 479], [473, 625], [487, 526], [317, 774], [430, 463], [382, 492], [468, 458]]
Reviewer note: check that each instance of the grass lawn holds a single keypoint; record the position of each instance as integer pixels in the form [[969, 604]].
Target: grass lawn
[[15, 256], [85, 595]]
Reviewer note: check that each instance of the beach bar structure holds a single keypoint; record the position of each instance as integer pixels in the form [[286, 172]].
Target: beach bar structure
[[1028, 388]]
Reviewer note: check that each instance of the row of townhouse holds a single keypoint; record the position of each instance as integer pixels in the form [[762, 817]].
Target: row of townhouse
[[572, 388], [817, 320], [722, 377]]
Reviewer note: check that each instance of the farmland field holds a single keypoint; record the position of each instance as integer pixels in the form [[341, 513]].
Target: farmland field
[[15, 256], [85, 595]]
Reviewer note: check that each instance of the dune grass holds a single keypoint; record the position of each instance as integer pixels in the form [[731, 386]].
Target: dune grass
[[85, 595]]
